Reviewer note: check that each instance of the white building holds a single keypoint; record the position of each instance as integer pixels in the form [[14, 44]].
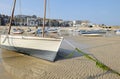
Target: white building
[[32, 22], [76, 23]]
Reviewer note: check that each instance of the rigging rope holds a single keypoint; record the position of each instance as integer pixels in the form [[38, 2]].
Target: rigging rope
[[20, 11], [49, 13], [73, 46]]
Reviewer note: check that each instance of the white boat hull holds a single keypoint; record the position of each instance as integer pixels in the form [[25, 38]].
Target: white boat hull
[[118, 32], [45, 48]]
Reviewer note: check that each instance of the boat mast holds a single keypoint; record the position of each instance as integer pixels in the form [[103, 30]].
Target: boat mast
[[44, 18], [12, 16]]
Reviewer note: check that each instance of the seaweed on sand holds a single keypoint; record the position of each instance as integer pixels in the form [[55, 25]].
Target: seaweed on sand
[[98, 63]]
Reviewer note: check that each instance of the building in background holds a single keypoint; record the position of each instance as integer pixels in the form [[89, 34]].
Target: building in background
[[32, 21], [0, 21], [67, 23], [25, 20], [4, 19], [77, 23]]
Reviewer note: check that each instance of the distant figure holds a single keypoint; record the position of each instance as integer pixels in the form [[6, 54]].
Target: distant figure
[[38, 31], [36, 27]]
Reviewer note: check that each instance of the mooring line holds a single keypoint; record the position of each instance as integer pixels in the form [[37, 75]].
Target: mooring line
[[73, 46], [94, 59]]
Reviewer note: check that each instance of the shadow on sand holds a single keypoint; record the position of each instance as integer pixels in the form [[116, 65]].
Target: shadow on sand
[[67, 54]]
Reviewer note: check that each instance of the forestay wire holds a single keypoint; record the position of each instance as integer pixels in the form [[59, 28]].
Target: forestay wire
[[20, 11], [49, 14]]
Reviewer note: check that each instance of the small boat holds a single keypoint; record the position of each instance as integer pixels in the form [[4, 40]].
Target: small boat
[[17, 31], [92, 35], [31, 32], [118, 32], [92, 31], [52, 30]]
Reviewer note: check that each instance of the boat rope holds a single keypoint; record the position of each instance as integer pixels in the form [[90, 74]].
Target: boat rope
[[73, 46], [21, 20], [49, 14], [98, 63]]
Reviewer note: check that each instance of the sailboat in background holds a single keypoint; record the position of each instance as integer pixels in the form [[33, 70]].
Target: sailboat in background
[[41, 47]]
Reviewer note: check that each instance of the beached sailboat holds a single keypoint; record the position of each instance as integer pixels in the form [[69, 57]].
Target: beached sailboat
[[41, 47]]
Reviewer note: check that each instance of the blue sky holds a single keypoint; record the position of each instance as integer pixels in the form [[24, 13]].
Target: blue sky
[[97, 11]]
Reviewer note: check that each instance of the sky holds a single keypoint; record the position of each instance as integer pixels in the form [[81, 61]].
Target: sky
[[96, 11]]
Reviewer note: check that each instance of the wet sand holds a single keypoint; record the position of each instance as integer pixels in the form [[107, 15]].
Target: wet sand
[[106, 49], [3, 73]]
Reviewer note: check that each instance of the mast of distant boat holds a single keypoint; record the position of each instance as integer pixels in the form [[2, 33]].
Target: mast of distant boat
[[44, 18], [11, 19]]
